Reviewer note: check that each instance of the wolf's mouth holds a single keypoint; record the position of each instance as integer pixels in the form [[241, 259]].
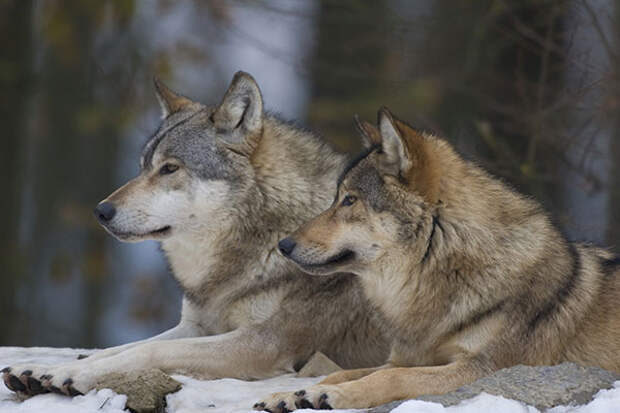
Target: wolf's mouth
[[161, 231], [342, 257], [134, 236]]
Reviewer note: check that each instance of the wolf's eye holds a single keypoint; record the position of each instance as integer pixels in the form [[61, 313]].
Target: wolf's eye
[[348, 200], [168, 169]]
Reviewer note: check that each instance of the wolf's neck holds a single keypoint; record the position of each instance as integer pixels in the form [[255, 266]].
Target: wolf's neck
[[296, 175], [477, 257], [191, 256]]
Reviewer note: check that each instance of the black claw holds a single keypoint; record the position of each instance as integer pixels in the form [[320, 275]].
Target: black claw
[[82, 356], [323, 405], [304, 404], [56, 390], [7, 383], [27, 373], [34, 386], [73, 392], [16, 384], [282, 407], [46, 377], [68, 382], [300, 393], [5, 370]]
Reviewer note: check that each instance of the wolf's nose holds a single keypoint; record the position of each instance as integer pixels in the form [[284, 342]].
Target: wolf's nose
[[105, 211], [286, 246]]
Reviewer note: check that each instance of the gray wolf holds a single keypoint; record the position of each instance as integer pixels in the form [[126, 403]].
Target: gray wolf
[[470, 275], [219, 185]]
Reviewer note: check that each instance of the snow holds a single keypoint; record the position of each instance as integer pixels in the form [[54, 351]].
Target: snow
[[237, 396], [605, 401], [229, 395]]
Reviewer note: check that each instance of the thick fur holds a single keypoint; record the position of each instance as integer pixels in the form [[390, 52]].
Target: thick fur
[[219, 186], [471, 275]]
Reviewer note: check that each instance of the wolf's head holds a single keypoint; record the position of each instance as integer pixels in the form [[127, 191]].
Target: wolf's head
[[189, 168], [384, 208]]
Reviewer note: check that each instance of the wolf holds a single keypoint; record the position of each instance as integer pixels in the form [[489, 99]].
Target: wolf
[[470, 275], [219, 185]]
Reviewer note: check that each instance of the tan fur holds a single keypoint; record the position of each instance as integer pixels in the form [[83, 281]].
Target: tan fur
[[471, 279]]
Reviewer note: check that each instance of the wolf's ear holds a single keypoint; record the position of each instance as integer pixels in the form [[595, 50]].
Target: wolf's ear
[[408, 155], [369, 133], [169, 100], [239, 118], [396, 156]]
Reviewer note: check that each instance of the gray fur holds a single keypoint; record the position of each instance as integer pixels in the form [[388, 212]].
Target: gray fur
[[190, 136]]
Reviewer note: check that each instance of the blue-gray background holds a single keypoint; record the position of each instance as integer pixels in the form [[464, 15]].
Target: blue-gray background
[[530, 89]]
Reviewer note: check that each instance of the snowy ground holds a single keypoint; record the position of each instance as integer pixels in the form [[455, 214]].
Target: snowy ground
[[228, 395]]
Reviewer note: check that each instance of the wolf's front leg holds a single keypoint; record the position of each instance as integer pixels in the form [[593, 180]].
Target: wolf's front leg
[[182, 330], [190, 326], [350, 375], [377, 388], [252, 352]]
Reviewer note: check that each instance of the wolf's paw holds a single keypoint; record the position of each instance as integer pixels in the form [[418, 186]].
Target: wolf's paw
[[321, 397], [33, 380], [277, 403], [13, 382]]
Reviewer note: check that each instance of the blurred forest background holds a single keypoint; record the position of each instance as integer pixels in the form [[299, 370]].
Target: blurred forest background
[[529, 88]]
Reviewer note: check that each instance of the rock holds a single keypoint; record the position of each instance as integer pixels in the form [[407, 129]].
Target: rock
[[318, 365], [146, 390], [386, 408], [542, 387]]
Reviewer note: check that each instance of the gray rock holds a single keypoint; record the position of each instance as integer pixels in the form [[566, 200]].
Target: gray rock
[[386, 408], [318, 365], [542, 386], [146, 390]]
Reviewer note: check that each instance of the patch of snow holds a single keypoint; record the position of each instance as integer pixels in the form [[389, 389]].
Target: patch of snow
[[229, 395], [238, 396], [102, 401], [481, 403]]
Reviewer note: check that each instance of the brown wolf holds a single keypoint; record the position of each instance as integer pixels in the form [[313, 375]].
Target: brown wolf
[[219, 185], [471, 276]]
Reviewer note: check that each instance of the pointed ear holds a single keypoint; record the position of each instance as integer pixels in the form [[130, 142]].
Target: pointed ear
[[239, 118], [409, 155], [393, 145], [369, 133], [169, 100]]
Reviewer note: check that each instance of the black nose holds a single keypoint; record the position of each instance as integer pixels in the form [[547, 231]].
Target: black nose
[[105, 211], [286, 246]]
